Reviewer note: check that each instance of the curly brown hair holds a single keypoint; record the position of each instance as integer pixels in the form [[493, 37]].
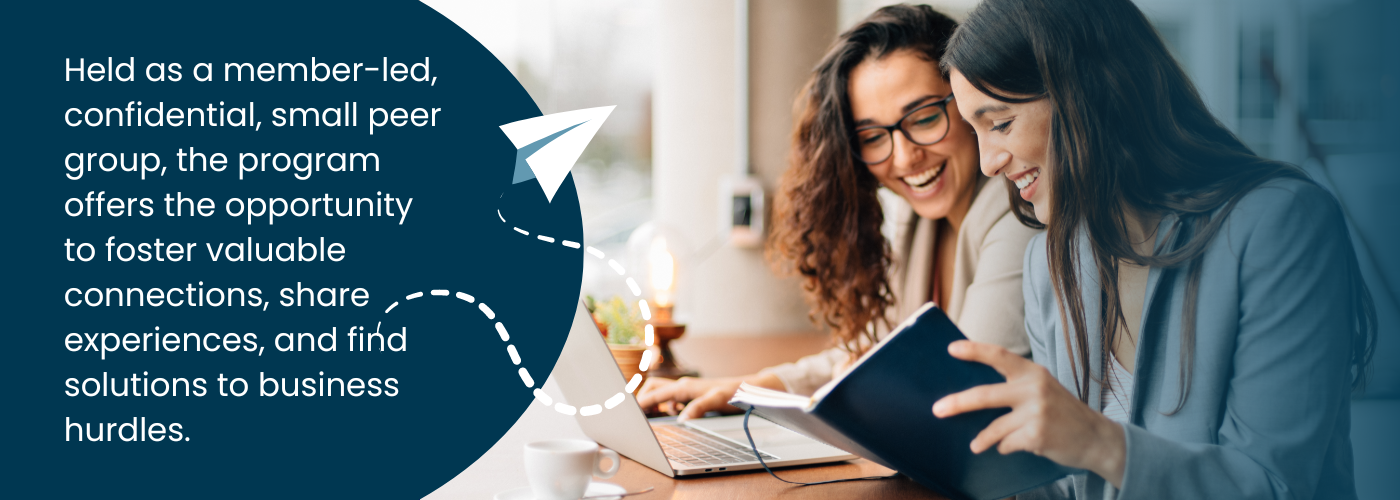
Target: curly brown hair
[[827, 216]]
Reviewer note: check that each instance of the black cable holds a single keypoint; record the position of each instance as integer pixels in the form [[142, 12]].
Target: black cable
[[758, 455]]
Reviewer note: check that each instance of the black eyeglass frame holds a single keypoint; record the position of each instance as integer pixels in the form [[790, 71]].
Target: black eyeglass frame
[[899, 125]]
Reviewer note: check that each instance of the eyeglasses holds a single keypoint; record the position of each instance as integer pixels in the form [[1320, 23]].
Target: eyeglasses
[[925, 125]]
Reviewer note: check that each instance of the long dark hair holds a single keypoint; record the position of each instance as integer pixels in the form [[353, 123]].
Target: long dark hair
[[1128, 129], [827, 217]]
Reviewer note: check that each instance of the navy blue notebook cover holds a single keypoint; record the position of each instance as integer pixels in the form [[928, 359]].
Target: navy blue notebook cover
[[882, 410]]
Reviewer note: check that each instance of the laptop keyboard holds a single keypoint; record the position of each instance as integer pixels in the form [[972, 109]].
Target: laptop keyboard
[[697, 449]]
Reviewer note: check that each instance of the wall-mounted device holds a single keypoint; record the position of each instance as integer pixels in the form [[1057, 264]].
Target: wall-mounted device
[[741, 211]]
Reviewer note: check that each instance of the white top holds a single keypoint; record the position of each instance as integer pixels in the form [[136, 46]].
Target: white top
[[1117, 392]]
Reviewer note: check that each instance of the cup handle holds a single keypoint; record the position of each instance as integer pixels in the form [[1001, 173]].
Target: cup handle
[[598, 463]]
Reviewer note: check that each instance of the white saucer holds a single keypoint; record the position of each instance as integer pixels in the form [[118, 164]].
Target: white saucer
[[595, 488]]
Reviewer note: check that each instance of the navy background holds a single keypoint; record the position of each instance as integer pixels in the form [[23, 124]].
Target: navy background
[[459, 390]]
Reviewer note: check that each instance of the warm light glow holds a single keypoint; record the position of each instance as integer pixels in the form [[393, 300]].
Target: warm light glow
[[663, 271]]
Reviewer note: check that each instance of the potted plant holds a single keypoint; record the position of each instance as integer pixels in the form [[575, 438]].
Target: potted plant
[[622, 324], [591, 305]]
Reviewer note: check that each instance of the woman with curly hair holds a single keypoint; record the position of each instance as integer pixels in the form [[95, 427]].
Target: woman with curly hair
[[877, 112]]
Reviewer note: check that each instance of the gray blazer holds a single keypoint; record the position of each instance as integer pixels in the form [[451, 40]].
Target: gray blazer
[[1268, 412]]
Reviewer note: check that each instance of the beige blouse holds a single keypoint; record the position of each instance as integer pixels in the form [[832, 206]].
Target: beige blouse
[[986, 302]]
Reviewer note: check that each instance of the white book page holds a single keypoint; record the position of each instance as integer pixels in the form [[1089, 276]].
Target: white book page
[[759, 396]]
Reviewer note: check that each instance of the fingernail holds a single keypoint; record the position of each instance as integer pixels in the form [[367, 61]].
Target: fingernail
[[956, 347], [939, 408]]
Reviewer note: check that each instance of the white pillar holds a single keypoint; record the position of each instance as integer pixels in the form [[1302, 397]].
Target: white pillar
[[1213, 41], [730, 290]]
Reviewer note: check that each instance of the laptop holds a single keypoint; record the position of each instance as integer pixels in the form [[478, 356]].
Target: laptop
[[587, 375]]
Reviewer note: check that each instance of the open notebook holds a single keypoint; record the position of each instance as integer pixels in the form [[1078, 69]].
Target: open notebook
[[882, 410]]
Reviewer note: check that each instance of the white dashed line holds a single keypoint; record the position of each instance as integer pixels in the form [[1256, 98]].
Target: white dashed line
[[515, 358], [514, 354], [544, 399], [525, 377], [548, 239]]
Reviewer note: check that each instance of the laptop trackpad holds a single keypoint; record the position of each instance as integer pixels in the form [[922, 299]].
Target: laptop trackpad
[[768, 436]]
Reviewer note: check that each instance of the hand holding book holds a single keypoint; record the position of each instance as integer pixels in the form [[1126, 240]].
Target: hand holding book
[[1045, 418], [879, 410]]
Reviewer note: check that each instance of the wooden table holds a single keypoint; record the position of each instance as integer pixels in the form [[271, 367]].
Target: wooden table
[[502, 468], [758, 484]]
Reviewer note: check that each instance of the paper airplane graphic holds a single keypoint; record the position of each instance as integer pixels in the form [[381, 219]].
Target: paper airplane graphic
[[547, 146]]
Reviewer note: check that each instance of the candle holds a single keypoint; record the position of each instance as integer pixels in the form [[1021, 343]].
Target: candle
[[663, 272]]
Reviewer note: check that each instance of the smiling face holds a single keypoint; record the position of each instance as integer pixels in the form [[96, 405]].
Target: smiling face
[[937, 180], [1014, 140]]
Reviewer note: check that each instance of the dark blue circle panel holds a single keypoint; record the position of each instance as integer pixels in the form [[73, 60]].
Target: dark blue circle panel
[[456, 389]]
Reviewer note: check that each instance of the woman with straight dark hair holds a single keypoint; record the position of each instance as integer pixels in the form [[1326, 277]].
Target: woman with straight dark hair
[[1196, 313], [877, 112]]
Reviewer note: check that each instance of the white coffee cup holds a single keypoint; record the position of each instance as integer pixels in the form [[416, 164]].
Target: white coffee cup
[[559, 469]]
